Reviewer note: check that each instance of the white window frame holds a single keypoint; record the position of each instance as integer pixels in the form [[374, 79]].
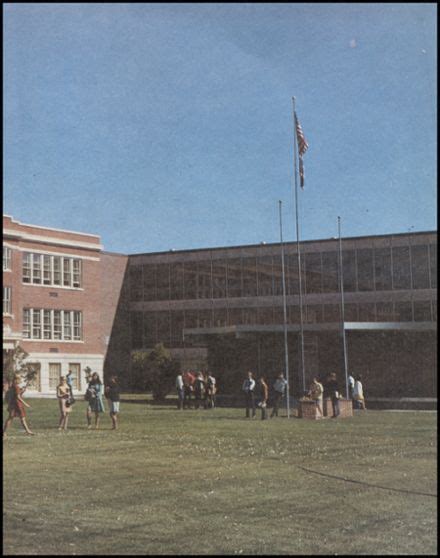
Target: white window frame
[[7, 258], [44, 266], [53, 325], [7, 300], [27, 323]]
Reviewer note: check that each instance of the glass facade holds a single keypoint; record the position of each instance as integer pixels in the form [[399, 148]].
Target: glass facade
[[236, 281]]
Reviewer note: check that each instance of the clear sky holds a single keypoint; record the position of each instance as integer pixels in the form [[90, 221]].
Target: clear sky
[[162, 126]]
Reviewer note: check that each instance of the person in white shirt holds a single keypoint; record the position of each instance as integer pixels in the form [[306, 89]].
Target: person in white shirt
[[211, 390], [279, 388], [350, 385], [249, 387], [180, 390], [358, 394]]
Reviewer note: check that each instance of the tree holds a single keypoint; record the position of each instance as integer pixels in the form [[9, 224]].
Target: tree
[[154, 371], [14, 363]]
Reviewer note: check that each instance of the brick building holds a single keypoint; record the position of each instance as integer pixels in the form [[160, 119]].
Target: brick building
[[60, 294], [72, 305]]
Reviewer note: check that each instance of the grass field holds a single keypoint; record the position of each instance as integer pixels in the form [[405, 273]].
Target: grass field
[[212, 482]]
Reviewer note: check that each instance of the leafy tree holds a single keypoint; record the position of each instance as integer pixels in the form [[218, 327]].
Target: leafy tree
[[14, 363], [154, 371]]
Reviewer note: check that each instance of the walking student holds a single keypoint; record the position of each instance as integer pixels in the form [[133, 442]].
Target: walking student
[[248, 388], [113, 394], [94, 398], [16, 405], [64, 398], [279, 388], [264, 396], [316, 393]]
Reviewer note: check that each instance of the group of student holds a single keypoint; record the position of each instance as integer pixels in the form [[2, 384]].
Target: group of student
[[329, 388], [93, 395], [195, 387], [260, 391]]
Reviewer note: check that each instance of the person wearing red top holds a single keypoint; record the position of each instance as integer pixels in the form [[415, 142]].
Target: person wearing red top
[[16, 406]]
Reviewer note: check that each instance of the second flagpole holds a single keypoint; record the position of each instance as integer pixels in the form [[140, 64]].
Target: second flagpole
[[286, 347]]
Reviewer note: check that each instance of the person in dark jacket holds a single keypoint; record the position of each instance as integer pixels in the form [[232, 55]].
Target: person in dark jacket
[[248, 388], [332, 389]]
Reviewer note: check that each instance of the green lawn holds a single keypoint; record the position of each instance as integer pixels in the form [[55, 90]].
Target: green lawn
[[212, 482]]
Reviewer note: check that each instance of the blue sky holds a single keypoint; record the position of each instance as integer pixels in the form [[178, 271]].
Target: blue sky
[[162, 126]]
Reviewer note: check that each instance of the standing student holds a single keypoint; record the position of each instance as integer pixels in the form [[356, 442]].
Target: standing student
[[211, 390], [316, 393], [279, 388], [248, 387], [63, 395], [333, 392], [113, 394], [351, 383], [16, 406], [358, 394], [70, 385], [264, 396], [180, 391], [94, 394], [188, 386], [199, 389]]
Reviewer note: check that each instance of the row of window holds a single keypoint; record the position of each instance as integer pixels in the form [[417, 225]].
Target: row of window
[[149, 328], [59, 325], [6, 258], [365, 269], [7, 300], [54, 376], [41, 269]]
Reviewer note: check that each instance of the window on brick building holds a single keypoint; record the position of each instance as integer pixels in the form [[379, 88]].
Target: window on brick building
[[57, 325], [36, 269], [67, 272], [6, 258], [60, 325], [75, 368], [56, 270], [47, 324], [36, 323], [77, 268], [27, 270], [26, 323], [7, 302], [35, 383], [54, 374], [77, 326], [67, 325], [47, 271]]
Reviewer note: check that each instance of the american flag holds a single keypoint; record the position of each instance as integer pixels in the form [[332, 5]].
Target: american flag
[[302, 148]]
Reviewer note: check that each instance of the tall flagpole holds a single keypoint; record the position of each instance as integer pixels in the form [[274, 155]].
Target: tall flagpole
[[298, 253], [286, 350], [341, 279]]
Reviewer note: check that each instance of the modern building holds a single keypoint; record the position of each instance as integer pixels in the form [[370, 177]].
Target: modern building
[[60, 294], [70, 305], [223, 308]]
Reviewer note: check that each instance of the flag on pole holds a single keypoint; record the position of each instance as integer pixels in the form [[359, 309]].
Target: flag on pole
[[302, 148]]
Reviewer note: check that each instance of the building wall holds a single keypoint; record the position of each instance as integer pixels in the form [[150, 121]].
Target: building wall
[[97, 298], [389, 280]]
